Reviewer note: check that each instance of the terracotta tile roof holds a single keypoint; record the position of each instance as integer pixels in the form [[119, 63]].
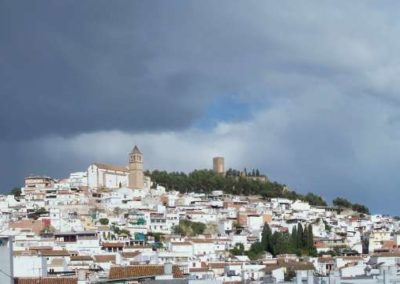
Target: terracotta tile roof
[[55, 253], [131, 254], [57, 262], [25, 252], [34, 225], [325, 259], [110, 167], [112, 245], [105, 258], [46, 280], [217, 265], [81, 258], [270, 268], [293, 265], [41, 248], [137, 271]]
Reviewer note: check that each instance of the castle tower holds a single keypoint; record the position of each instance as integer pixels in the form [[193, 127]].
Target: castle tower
[[218, 165], [136, 177]]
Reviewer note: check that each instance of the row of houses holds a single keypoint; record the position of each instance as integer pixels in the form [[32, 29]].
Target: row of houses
[[67, 229]]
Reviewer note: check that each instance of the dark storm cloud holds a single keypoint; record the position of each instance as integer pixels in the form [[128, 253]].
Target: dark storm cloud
[[71, 67], [313, 86]]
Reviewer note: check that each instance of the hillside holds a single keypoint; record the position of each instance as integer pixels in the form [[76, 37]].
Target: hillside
[[206, 181]]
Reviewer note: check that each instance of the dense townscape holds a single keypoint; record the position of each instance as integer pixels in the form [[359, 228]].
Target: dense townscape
[[117, 224]]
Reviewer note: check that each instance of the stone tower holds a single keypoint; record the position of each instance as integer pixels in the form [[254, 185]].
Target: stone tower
[[218, 165], [136, 177]]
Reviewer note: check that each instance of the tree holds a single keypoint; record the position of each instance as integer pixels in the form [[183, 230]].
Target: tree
[[124, 232], [344, 203], [256, 251], [16, 191], [104, 221], [158, 237], [238, 249], [341, 202], [117, 210], [39, 212], [48, 229], [294, 237], [314, 199], [300, 233], [115, 229], [280, 243], [310, 237], [289, 275], [360, 208], [266, 237], [304, 243], [188, 228]]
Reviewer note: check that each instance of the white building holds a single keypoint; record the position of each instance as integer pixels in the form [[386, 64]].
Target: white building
[[78, 179], [108, 176]]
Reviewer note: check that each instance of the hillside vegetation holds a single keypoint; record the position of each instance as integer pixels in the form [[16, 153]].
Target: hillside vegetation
[[206, 181]]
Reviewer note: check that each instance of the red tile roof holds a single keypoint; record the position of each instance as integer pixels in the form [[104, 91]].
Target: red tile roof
[[45, 280], [112, 245], [105, 258], [130, 254], [81, 258], [54, 253], [137, 271]]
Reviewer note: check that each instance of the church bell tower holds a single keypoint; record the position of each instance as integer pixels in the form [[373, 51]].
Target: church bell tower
[[136, 177]]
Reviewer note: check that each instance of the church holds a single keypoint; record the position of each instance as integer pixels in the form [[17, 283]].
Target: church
[[110, 176]]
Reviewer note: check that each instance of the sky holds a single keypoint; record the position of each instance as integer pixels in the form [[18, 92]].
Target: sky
[[306, 91]]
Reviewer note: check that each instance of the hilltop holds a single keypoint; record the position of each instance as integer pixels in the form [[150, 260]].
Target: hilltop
[[235, 183]]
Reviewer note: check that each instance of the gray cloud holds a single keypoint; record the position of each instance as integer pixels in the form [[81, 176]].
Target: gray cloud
[[83, 81]]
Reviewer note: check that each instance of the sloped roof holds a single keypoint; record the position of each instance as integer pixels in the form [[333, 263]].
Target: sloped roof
[[35, 226], [137, 271], [136, 150], [112, 245], [46, 280], [55, 253], [57, 262], [110, 167], [105, 258], [130, 254], [81, 258]]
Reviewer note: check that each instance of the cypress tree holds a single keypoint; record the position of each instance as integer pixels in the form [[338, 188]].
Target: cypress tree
[[299, 241], [293, 237], [305, 238], [310, 237], [266, 238]]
